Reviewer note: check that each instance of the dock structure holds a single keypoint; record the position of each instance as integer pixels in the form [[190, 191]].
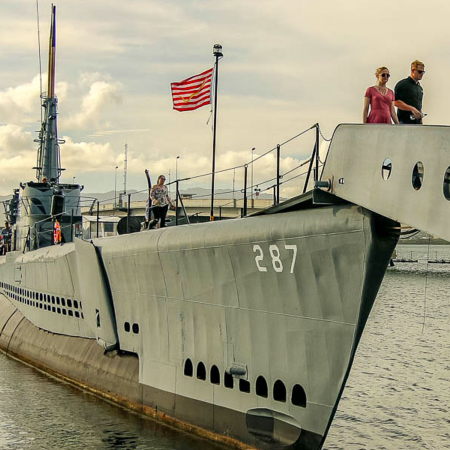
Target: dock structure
[[223, 208]]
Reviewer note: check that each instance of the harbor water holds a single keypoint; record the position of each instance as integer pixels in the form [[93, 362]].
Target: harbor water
[[397, 396], [398, 393]]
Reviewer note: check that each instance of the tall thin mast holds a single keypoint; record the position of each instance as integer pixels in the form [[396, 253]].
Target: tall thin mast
[[217, 52], [49, 165]]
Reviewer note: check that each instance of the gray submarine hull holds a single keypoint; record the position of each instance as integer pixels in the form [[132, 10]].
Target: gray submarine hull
[[241, 331]]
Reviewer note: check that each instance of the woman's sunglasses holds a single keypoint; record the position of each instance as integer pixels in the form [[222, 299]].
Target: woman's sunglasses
[[384, 75]]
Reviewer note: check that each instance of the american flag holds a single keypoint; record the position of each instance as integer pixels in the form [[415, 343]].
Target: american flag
[[193, 92]]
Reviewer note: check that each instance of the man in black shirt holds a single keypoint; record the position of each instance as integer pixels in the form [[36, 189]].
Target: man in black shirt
[[409, 95]]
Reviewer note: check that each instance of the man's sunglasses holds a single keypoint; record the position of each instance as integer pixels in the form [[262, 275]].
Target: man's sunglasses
[[420, 71], [384, 75]]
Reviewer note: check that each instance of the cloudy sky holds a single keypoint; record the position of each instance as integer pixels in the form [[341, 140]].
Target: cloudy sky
[[286, 66]]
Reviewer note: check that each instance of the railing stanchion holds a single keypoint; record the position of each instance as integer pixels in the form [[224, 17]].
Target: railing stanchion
[[316, 177], [314, 157], [278, 174], [71, 227], [98, 215], [177, 193], [245, 190], [128, 213]]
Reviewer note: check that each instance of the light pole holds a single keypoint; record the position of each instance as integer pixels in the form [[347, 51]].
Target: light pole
[[217, 52], [253, 205], [73, 180], [115, 187]]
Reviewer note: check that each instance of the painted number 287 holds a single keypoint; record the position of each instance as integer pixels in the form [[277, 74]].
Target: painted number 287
[[274, 251]]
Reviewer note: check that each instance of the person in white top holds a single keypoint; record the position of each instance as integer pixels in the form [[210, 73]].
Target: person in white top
[[160, 202]]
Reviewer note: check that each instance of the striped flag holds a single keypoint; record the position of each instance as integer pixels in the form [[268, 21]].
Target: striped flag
[[193, 92]]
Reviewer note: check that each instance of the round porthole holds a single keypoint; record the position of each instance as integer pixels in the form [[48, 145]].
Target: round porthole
[[417, 176], [446, 185], [386, 169]]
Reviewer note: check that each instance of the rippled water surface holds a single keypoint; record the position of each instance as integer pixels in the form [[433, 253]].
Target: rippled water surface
[[397, 396], [40, 413], [398, 393]]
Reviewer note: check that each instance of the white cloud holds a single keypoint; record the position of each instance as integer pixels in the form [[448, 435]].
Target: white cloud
[[89, 78], [21, 103], [101, 94], [17, 157], [86, 156]]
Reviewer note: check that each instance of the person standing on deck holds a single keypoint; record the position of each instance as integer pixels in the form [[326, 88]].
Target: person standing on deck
[[380, 99], [6, 235], [409, 95], [161, 201]]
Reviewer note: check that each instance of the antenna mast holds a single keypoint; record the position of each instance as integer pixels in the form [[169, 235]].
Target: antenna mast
[[49, 163]]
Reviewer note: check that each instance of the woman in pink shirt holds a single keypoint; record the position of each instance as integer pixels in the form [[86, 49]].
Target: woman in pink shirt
[[380, 99]]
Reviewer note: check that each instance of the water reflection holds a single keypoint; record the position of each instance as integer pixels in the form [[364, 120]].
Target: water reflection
[[119, 439], [39, 413]]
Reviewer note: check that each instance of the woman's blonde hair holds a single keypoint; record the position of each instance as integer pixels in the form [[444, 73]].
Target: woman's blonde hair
[[379, 70]]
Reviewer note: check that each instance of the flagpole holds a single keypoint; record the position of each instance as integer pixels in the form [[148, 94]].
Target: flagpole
[[217, 52]]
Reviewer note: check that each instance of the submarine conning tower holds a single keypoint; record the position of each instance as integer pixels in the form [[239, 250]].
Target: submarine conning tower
[[46, 201]]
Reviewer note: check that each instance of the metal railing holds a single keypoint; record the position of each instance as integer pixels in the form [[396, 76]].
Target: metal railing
[[272, 184]]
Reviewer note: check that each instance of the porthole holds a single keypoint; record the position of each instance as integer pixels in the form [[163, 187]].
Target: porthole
[[75, 304], [77, 314], [188, 368], [58, 302], [63, 302], [261, 387], [201, 371], [53, 309], [244, 386], [417, 176], [446, 185], [135, 328], [70, 313], [126, 325], [69, 303], [228, 380], [386, 168], [53, 299], [279, 391], [215, 375]]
